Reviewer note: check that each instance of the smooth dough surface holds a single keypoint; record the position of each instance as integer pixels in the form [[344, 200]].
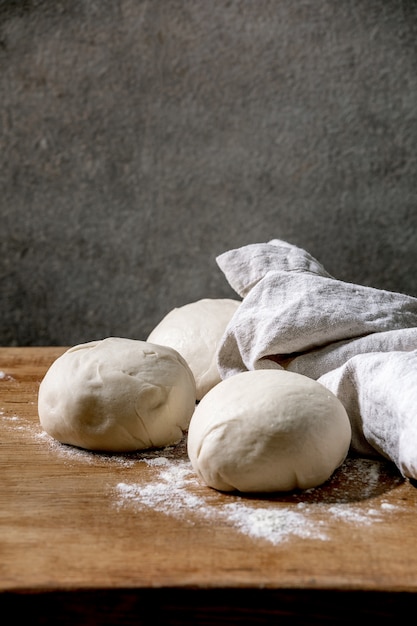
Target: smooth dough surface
[[195, 331], [117, 394], [268, 430]]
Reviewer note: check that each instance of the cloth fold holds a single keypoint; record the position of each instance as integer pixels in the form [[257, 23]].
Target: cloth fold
[[356, 340]]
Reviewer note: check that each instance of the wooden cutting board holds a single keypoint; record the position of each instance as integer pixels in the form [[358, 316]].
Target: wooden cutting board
[[102, 537]]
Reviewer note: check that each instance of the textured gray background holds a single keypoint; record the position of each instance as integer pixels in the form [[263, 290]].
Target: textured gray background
[[139, 139]]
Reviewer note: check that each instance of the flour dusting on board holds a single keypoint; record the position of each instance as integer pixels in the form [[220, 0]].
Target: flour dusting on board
[[176, 491], [69, 454], [5, 376], [173, 489], [170, 493]]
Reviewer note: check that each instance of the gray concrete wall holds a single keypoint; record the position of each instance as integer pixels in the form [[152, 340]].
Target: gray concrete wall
[[139, 139]]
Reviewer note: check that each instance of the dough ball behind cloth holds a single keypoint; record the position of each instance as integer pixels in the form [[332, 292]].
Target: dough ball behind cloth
[[195, 331], [268, 430], [117, 395]]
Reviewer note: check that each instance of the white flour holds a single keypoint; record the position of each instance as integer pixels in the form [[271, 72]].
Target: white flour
[[69, 454], [5, 376], [174, 490], [170, 494]]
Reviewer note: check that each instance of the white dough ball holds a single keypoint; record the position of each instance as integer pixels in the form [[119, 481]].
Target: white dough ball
[[268, 430], [117, 395], [195, 331]]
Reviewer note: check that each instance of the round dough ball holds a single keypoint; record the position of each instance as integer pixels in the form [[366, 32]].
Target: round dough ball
[[268, 430], [195, 331], [117, 395]]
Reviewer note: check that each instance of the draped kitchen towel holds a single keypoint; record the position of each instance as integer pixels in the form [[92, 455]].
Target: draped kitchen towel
[[360, 342]]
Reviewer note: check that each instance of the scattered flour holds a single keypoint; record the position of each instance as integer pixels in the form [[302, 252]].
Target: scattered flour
[[176, 491], [13, 421], [69, 454], [388, 506], [273, 524], [349, 514], [5, 376], [168, 494], [11, 418], [72, 455]]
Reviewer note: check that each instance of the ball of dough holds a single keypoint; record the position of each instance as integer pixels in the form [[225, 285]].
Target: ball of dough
[[117, 395], [268, 430], [195, 331]]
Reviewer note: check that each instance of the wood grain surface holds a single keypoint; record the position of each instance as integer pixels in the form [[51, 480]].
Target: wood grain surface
[[101, 538]]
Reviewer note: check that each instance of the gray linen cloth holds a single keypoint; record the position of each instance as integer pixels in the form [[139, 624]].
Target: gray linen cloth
[[359, 342]]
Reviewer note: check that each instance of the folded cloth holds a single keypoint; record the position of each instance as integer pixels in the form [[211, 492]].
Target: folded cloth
[[379, 393], [295, 315]]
